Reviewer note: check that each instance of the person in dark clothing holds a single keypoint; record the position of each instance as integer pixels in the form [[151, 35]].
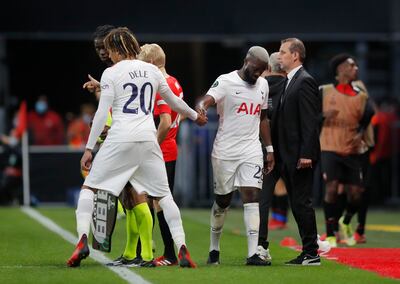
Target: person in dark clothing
[[295, 134], [276, 81]]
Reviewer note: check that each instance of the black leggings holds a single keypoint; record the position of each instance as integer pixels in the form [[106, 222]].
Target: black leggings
[[170, 166]]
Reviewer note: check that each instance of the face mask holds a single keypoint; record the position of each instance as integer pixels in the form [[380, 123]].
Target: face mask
[[87, 118], [41, 107]]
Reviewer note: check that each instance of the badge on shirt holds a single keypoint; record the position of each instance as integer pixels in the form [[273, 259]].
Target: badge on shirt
[[215, 84]]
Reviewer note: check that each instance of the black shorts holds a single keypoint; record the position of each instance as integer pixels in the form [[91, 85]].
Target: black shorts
[[345, 169]]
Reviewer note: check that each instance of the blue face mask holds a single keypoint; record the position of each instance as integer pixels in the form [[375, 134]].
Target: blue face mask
[[87, 118], [41, 107]]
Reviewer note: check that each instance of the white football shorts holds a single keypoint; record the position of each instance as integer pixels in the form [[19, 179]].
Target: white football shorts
[[140, 163], [231, 174]]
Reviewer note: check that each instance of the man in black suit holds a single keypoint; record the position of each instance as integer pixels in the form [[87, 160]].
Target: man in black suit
[[295, 127], [276, 81]]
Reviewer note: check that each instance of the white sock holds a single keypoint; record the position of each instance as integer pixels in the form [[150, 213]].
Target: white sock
[[252, 224], [217, 220], [173, 217], [84, 212]]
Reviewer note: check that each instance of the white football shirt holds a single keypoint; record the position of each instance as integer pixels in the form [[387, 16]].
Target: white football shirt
[[239, 106], [129, 87]]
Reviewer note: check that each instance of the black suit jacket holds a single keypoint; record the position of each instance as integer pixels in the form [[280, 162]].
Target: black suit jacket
[[295, 122], [276, 86]]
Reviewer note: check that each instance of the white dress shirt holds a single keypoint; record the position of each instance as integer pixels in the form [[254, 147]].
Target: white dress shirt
[[291, 74]]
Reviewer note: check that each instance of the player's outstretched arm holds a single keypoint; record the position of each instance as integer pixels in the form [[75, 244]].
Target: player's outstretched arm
[[179, 105], [204, 103], [201, 119]]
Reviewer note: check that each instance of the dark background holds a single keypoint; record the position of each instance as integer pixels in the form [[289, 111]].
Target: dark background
[[201, 17], [46, 46]]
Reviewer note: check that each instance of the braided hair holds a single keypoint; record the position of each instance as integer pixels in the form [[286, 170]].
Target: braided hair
[[123, 41]]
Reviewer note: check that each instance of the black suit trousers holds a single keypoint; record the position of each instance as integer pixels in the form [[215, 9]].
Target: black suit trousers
[[299, 184], [265, 198]]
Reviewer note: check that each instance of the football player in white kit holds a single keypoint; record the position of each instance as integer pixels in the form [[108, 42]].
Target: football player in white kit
[[130, 152], [237, 159]]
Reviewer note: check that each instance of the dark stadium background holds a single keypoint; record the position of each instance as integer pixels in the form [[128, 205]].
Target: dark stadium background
[[46, 46]]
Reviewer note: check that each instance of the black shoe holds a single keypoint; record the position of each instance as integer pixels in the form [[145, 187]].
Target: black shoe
[[117, 262], [122, 261], [305, 259], [149, 263], [134, 262], [213, 257], [255, 259]]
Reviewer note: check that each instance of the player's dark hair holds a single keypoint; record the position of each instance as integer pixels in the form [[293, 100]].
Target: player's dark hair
[[102, 31], [337, 60], [122, 41]]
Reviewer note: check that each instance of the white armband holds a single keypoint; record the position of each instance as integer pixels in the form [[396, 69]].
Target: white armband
[[269, 149], [201, 104]]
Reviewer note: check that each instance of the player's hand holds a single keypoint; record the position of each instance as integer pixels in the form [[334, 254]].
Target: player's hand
[[86, 161], [269, 163], [201, 109], [304, 163], [92, 85], [201, 119]]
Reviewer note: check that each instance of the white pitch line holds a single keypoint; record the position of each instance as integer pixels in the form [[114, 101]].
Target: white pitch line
[[123, 272]]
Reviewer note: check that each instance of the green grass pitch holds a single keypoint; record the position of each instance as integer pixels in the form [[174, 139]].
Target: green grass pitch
[[32, 254]]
